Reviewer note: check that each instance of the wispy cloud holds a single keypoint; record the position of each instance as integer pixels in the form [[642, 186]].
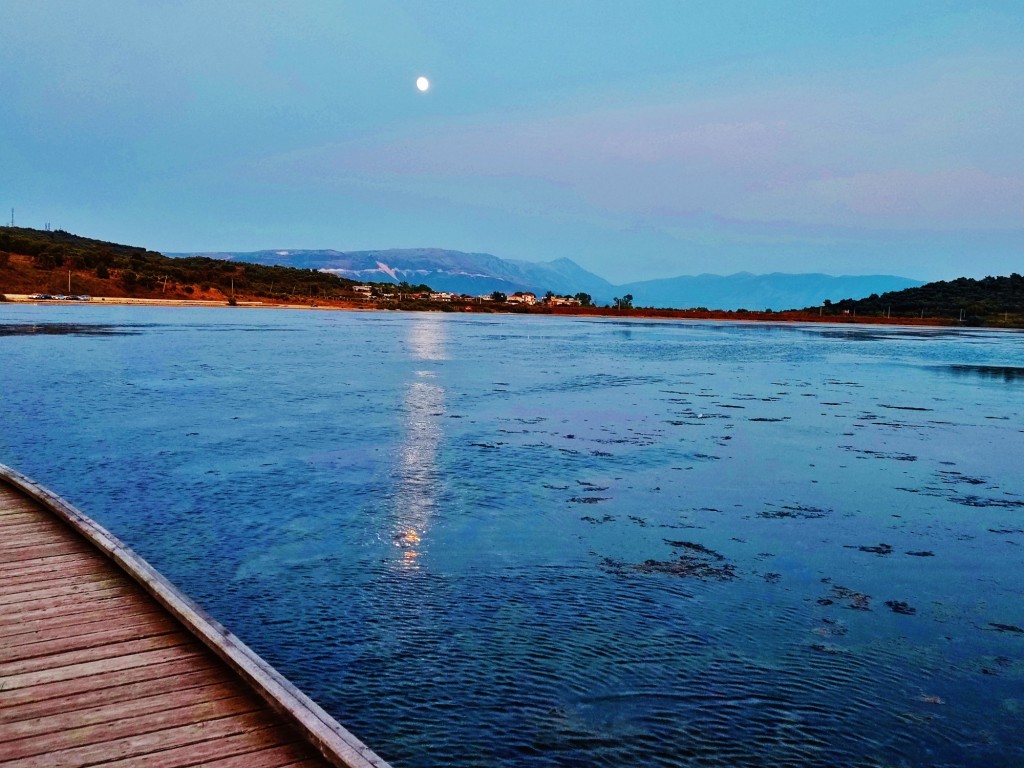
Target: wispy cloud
[[933, 147]]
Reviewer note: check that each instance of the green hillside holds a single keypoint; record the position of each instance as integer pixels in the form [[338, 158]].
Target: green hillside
[[133, 271], [991, 301]]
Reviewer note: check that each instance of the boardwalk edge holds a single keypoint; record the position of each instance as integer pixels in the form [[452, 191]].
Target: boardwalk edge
[[332, 740]]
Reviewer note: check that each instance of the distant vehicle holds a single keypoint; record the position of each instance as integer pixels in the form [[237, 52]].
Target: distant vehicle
[[37, 296], [85, 298], [58, 297]]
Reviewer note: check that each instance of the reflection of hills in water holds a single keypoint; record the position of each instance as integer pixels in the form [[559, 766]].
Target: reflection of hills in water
[[66, 329], [1009, 373]]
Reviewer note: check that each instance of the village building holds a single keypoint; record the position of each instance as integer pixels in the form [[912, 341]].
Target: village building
[[561, 301], [522, 297]]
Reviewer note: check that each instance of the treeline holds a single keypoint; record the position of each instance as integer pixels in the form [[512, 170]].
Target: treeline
[[989, 301], [138, 269]]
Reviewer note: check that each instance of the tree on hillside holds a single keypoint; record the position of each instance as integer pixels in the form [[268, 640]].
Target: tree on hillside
[[626, 302], [499, 297], [585, 299], [43, 260]]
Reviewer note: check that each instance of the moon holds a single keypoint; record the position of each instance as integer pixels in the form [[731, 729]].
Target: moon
[[422, 84]]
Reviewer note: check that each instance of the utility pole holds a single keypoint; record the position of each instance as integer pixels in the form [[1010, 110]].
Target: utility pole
[[69, 282]]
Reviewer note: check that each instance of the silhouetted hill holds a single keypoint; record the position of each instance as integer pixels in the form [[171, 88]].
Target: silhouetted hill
[[989, 301], [98, 267]]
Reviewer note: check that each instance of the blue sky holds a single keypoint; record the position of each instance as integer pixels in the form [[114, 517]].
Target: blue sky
[[641, 140]]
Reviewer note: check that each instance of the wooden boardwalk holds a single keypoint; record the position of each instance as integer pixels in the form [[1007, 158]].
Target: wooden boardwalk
[[95, 669]]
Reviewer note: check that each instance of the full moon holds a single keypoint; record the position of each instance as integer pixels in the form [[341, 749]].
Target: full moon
[[422, 83]]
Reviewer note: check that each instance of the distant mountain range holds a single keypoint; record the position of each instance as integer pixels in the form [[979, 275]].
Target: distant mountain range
[[482, 273], [775, 291]]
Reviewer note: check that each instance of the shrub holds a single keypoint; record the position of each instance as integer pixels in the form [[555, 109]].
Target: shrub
[[43, 260]]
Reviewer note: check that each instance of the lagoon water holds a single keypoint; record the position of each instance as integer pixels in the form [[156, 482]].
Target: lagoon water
[[534, 541]]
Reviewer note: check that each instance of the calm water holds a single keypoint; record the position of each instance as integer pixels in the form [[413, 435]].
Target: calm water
[[514, 541]]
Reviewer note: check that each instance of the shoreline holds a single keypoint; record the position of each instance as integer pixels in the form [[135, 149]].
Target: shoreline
[[789, 316]]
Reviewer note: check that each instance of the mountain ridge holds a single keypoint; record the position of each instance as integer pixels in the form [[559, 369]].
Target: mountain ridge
[[483, 273]]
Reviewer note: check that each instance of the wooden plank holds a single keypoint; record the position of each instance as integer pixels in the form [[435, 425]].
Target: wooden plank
[[57, 639], [58, 622], [104, 741], [98, 667], [30, 528], [26, 565], [284, 756], [56, 579], [32, 538], [19, 612], [42, 550], [41, 574], [16, 517], [48, 649], [52, 561], [57, 661], [177, 677], [12, 547], [70, 604], [116, 712], [26, 518], [208, 752], [35, 517], [46, 587], [33, 523], [138, 749], [13, 511], [11, 505], [44, 592], [108, 680]]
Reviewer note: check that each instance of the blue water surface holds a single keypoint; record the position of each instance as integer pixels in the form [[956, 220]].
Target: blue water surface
[[535, 541]]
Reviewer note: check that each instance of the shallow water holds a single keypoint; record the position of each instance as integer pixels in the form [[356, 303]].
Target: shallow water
[[533, 541]]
